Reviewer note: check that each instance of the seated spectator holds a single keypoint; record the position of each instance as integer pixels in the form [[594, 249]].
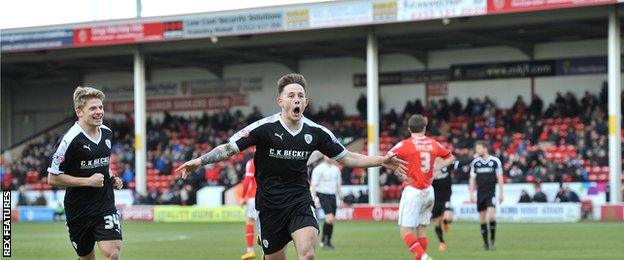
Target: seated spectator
[[539, 196], [40, 200], [524, 197], [363, 198], [349, 199], [22, 200], [572, 196], [562, 196]]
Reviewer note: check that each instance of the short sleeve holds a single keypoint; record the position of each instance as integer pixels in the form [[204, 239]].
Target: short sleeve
[[396, 149], [472, 169], [499, 167], [60, 158], [246, 137], [441, 151], [329, 145]]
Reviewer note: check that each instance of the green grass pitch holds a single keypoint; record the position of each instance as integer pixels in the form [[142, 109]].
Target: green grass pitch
[[353, 240]]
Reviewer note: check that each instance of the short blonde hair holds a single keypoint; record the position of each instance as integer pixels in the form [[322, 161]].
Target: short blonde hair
[[82, 94]]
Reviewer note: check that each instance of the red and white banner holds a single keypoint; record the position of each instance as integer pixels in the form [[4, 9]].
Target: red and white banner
[[509, 6], [126, 33], [612, 212], [380, 213], [138, 213], [437, 89], [181, 104]]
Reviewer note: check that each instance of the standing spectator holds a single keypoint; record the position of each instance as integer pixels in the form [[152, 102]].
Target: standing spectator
[[361, 106], [536, 107], [128, 175]]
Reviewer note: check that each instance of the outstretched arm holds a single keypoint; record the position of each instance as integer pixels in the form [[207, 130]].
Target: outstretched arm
[[352, 160], [219, 153]]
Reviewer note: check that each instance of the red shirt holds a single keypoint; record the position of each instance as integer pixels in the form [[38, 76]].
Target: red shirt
[[420, 152], [249, 182]]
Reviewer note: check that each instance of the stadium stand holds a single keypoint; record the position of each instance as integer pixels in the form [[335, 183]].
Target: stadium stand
[[566, 142]]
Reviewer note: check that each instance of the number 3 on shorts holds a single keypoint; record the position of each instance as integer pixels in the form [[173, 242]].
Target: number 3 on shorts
[[111, 221]]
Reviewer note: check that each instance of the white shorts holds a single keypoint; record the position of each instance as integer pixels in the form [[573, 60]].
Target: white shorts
[[251, 208], [415, 206]]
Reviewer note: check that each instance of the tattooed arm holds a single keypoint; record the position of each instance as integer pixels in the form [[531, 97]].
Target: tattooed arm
[[219, 153]]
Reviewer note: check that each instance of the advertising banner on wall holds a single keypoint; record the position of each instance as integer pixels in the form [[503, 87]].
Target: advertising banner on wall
[[525, 212], [380, 213], [385, 11], [136, 213], [436, 89], [181, 104], [432, 9], [198, 214], [297, 19], [507, 6], [404, 77], [232, 23], [120, 92], [191, 87], [339, 14], [119, 34], [503, 70], [220, 86], [47, 39], [35, 214]]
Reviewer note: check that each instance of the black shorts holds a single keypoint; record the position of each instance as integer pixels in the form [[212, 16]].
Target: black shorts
[[328, 203], [276, 226], [486, 202], [83, 234], [439, 206]]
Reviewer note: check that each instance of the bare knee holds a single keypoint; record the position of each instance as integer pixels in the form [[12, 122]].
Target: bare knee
[[90, 256], [307, 254], [112, 251], [329, 218], [406, 230]]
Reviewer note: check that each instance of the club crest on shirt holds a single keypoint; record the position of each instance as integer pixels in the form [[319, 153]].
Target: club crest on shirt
[[491, 164], [308, 138], [108, 143]]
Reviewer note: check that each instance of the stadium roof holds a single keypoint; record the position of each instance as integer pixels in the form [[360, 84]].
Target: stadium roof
[[517, 30]]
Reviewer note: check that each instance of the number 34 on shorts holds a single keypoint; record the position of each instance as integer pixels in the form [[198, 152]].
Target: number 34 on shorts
[[112, 221]]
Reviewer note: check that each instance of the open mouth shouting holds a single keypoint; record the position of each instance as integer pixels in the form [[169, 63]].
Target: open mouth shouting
[[297, 112]]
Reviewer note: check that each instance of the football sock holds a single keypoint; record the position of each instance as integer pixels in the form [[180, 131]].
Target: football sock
[[413, 245], [438, 230], [423, 242], [249, 235], [330, 232], [484, 233], [492, 230], [325, 232]]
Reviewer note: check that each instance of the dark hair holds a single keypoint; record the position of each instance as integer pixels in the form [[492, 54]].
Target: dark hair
[[482, 143], [417, 123], [290, 79]]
